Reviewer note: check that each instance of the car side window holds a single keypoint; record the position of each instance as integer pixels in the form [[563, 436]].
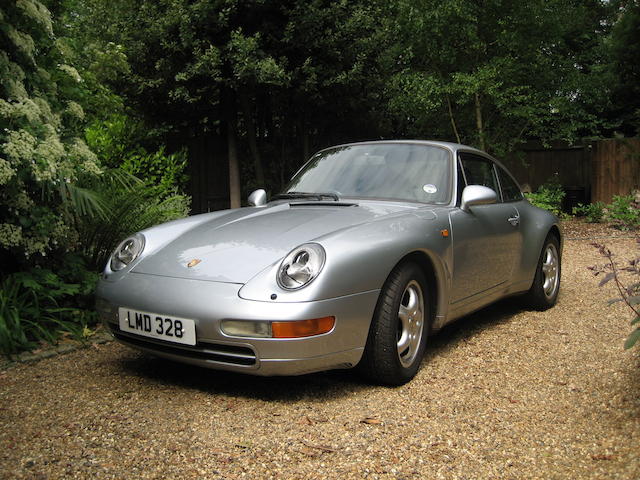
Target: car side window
[[510, 189], [479, 171], [461, 183]]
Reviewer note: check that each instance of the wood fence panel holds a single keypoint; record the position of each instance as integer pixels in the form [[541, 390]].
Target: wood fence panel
[[535, 165], [616, 168], [208, 174], [591, 172]]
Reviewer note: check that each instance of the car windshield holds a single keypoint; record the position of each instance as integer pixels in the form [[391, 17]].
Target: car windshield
[[398, 171]]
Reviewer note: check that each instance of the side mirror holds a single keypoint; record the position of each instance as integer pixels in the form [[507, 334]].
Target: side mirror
[[258, 198], [477, 195]]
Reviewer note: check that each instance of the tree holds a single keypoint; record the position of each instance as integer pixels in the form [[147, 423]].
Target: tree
[[198, 63], [499, 71], [625, 54], [42, 153], [280, 79], [274, 79]]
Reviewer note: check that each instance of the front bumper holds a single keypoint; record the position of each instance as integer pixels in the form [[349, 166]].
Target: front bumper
[[209, 303]]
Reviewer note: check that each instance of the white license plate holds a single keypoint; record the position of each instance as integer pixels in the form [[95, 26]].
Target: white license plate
[[154, 325]]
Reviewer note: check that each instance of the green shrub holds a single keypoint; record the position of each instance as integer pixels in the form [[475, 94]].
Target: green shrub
[[624, 212], [162, 172], [119, 143], [128, 205], [36, 306], [41, 125], [593, 212], [549, 196], [113, 138]]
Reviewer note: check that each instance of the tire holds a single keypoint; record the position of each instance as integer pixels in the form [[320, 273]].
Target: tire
[[399, 328], [543, 293]]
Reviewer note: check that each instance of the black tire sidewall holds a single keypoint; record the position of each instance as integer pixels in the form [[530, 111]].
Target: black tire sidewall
[[537, 297], [381, 361]]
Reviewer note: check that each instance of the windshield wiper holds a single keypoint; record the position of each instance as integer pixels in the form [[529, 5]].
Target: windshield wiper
[[319, 195]]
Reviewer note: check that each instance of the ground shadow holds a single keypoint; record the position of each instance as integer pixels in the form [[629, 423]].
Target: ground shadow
[[311, 387], [315, 386], [471, 325]]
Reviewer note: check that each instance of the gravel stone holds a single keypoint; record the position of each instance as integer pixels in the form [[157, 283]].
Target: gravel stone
[[504, 393]]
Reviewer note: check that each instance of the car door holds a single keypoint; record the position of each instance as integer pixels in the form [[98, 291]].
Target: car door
[[486, 239]]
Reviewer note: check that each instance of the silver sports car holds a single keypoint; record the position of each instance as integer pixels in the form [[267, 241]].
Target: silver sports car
[[370, 249]]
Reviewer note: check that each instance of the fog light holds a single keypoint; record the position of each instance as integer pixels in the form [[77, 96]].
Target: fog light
[[244, 328], [302, 328]]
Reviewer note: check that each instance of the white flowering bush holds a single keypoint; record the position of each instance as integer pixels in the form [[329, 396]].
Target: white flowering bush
[[41, 144], [61, 211]]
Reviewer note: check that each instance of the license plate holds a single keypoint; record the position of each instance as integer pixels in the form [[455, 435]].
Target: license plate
[[154, 325]]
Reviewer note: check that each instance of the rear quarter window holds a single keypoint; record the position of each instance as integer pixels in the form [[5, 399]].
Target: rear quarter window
[[510, 189]]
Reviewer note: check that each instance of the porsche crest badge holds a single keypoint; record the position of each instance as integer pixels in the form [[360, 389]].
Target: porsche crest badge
[[193, 262]]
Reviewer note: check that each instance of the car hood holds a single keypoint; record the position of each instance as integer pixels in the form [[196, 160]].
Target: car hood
[[235, 247]]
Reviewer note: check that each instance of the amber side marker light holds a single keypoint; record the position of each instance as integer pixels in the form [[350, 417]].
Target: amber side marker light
[[302, 328]]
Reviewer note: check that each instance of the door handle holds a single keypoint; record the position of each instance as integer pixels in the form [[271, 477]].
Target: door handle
[[515, 220]]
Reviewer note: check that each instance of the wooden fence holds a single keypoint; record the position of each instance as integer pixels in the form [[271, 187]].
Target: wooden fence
[[615, 167], [535, 164], [590, 172], [208, 174]]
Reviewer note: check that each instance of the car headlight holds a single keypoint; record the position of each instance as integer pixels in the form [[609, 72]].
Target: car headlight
[[127, 252], [301, 266]]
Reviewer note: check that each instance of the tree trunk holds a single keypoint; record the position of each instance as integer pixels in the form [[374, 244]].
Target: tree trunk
[[231, 114], [253, 143], [453, 120], [305, 142], [479, 123]]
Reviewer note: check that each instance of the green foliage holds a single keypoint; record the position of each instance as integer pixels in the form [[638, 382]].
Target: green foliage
[[42, 156], [35, 306], [112, 138], [55, 196], [624, 212], [593, 212], [626, 278], [130, 206], [495, 73], [117, 140], [143, 189], [624, 57], [163, 173], [548, 196]]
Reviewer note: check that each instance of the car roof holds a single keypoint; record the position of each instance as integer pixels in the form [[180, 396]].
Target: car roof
[[435, 143]]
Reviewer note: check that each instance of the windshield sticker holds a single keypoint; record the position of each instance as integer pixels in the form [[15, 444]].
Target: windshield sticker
[[428, 188]]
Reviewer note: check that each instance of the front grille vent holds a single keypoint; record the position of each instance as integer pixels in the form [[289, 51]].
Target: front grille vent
[[215, 352]]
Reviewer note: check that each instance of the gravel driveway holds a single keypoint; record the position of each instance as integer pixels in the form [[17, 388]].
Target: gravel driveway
[[504, 393]]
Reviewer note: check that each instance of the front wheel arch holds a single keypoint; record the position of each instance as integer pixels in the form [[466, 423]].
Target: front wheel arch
[[429, 271], [380, 361]]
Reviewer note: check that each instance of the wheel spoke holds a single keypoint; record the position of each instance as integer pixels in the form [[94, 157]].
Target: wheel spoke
[[413, 303], [550, 271], [403, 343], [404, 314], [410, 325]]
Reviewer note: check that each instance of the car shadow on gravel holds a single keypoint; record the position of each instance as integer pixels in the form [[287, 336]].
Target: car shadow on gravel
[[311, 387], [470, 325], [315, 386]]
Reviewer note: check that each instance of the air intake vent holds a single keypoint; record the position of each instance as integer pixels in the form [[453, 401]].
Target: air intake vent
[[215, 352]]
